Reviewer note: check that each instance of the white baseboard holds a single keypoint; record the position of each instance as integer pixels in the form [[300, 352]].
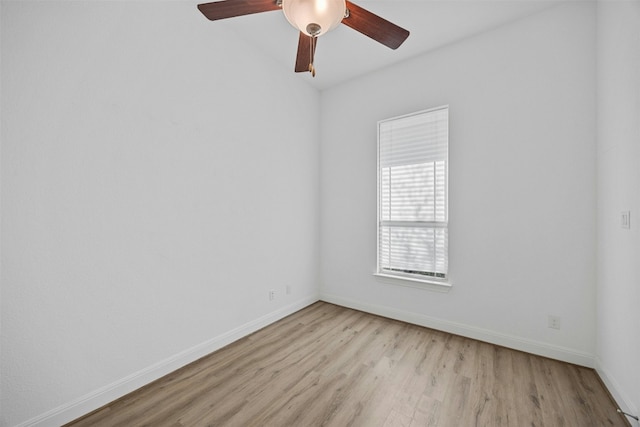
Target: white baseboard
[[623, 401], [493, 337], [98, 398]]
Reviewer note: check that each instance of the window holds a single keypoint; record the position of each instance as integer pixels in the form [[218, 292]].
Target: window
[[412, 195]]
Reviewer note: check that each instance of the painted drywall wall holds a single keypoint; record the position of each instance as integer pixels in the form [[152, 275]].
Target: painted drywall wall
[[522, 184], [618, 331], [157, 182]]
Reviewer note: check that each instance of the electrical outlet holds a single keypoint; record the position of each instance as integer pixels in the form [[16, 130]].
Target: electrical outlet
[[625, 219], [554, 322], [272, 295]]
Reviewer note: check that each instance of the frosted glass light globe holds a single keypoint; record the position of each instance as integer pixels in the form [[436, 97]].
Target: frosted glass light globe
[[314, 17]]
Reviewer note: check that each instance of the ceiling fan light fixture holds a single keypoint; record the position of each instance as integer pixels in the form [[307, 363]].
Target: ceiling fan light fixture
[[314, 17]]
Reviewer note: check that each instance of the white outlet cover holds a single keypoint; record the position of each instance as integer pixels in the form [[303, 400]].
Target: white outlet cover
[[554, 322], [625, 219]]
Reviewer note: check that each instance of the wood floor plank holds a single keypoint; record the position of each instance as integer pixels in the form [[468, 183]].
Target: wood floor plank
[[402, 360], [427, 412], [331, 366]]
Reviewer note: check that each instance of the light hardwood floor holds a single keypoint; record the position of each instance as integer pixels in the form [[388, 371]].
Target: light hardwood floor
[[332, 366]]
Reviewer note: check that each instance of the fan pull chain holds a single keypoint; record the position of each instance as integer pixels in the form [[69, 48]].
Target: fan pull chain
[[312, 51]]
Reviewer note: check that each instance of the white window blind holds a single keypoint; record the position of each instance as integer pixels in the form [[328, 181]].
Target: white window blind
[[412, 194]]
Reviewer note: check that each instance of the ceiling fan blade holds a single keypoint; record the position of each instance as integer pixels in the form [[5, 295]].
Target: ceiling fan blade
[[371, 25], [230, 8], [306, 50]]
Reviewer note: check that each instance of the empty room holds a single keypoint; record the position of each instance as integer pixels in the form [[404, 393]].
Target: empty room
[[216, 215]]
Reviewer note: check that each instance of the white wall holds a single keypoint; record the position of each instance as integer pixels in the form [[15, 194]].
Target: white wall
[[522, 184], [151, 197], [618, 332]]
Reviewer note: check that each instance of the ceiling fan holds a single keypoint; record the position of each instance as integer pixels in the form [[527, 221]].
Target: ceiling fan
[[313, 18]]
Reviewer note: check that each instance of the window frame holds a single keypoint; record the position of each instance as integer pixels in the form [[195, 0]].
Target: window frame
[[418, 280]]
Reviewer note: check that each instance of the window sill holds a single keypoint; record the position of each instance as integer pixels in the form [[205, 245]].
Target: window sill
[[412, 282]]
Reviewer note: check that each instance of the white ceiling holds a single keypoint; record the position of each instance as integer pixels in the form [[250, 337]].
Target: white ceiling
[[343, 53]]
